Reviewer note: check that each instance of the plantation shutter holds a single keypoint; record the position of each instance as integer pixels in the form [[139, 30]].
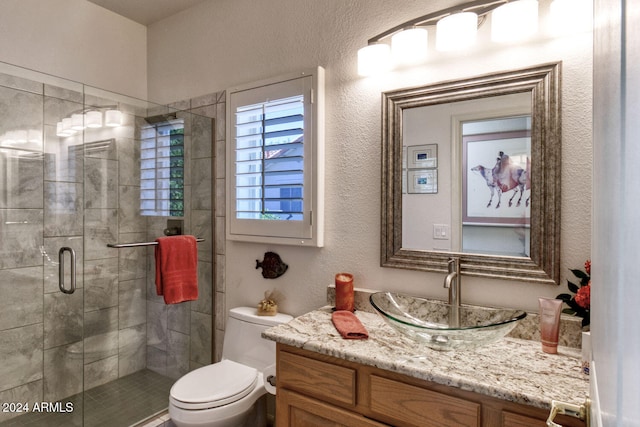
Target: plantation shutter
[[272, 185]]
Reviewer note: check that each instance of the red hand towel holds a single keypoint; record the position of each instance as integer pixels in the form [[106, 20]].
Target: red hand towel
[[349, 325], [177, 268]]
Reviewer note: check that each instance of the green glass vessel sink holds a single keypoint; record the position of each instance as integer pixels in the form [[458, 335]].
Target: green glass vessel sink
[[441, 326]]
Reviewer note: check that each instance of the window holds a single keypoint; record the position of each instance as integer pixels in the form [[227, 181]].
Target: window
[[162, 169], [276, 161]]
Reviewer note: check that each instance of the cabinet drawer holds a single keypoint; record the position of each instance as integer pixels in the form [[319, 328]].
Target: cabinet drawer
[[416, 406], [326, 381]]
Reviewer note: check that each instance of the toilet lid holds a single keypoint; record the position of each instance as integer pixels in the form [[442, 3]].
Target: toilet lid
[[214, 385]]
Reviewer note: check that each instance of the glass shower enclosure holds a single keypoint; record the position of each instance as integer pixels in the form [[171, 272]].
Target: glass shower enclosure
[[84, 340]]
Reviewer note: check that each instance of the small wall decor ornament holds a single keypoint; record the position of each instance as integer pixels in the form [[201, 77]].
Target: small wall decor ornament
[[272, 266]]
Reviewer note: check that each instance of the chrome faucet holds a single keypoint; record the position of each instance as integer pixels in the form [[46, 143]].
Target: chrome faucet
[[452, 282]]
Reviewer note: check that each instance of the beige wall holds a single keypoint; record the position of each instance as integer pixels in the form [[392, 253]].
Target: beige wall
[[76, 40], [221, 43]]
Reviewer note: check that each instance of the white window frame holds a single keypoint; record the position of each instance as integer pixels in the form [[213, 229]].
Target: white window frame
[[309, 231]]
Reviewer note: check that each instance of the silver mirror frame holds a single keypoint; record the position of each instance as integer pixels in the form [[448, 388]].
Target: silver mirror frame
[[543, 266]]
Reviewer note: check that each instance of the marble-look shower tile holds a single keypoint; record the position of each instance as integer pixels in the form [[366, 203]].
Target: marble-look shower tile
[[201, 226], [201, 183], [63, 157], [100, 372], [129, 216], [101, 228], [202, 129], [221, 120], [220, 197], [21, 83], [100, 321], [220, 233], [101, 346], [204, 302], [132, 350], [62, 318], [62, 209], [100, 144], [63, 370], [21, 237], [179, 317], [21, 296], [21, 355], [101, 183], [157, 325], [157, 360], [50, 257], [129, 162], [74, 94], [202, 100], [177, 354], [30, 392], [132, 303], [21, 112], [220, 160], [201, 335], [220, 274], [101, 284], [22, 185], [132, 261]]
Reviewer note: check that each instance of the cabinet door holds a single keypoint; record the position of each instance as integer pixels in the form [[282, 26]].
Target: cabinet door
[[510, 419], [296, 410]]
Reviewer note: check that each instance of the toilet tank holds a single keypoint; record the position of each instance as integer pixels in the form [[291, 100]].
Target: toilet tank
[[243, 342]]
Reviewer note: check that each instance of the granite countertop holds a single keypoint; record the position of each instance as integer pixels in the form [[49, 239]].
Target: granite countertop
[[512, 369]]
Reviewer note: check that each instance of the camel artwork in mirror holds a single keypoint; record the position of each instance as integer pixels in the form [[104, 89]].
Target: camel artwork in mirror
[[471, 168]]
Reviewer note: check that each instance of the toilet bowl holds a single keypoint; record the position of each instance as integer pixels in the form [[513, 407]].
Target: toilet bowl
[[229, 393]]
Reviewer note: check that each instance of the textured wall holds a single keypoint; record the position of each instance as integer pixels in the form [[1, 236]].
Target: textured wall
[[222, 43], [76, 40]]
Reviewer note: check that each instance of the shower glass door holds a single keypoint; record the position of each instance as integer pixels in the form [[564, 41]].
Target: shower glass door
[[81, 330]]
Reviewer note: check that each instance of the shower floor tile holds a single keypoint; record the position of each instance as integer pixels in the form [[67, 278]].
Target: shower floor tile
[[120, 403]]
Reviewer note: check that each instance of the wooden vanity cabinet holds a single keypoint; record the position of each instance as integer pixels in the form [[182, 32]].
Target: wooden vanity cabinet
[[315, 390]]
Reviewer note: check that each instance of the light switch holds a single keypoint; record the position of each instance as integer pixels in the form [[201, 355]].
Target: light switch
[[441, 231]]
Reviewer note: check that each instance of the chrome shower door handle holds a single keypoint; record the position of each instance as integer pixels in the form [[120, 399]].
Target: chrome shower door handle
[[61, 252]]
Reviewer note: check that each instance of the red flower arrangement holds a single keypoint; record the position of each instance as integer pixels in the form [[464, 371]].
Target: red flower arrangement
[[580, 303]]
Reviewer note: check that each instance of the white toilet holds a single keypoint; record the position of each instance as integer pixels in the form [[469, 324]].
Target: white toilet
[[229, 393]]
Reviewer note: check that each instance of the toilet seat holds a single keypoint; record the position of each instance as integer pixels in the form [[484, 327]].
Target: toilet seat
[[213, 386]]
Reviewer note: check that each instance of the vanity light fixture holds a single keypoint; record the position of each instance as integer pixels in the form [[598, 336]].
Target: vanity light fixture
[[91, 118], [456, 29]]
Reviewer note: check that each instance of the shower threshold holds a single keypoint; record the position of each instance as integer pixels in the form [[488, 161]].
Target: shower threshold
[[120, 403]]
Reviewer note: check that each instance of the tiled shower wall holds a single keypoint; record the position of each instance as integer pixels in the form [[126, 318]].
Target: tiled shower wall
[[114, 316], [180, 337], [212, 179]]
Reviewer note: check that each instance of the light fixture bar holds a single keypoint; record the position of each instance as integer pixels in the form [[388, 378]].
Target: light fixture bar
[[480, 7]]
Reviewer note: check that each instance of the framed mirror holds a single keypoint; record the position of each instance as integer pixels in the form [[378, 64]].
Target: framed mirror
[[471, 168]]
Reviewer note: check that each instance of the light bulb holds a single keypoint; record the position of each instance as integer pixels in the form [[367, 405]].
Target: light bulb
[[515, 21], [93, 119], [374, 59], [66, 126], [112, 118], [77, 121], [409, 46], [457, 31]]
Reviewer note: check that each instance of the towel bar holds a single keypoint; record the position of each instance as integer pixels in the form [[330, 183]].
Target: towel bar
[[135, 245]]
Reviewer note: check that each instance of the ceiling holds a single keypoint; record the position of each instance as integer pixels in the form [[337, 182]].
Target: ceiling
[[146, 12]]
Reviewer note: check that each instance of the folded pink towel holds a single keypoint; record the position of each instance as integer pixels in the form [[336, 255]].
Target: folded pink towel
[[349, 325], [177, 268]]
